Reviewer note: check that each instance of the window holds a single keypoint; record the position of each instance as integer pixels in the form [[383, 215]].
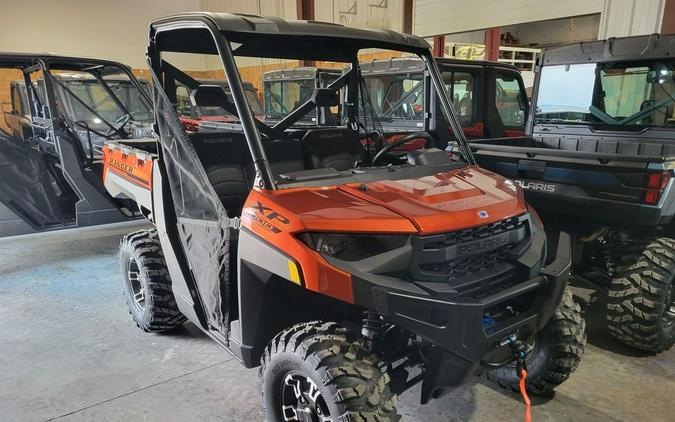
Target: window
[[640, 94], [509, 101], [616, 94], [284, 96], [183, 106], [397, 96], [113, 98], [460, 89], [565, 92], [17, 101]]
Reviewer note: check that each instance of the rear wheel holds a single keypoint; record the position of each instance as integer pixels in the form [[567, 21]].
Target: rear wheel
[[641, 298], [313, 372], [146, 283], [555, 353]]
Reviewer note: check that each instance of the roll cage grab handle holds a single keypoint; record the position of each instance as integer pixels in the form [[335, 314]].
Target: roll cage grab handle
[[264, 179]]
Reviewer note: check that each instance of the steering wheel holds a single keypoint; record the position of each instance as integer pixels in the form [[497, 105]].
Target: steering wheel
[[403, 140], [118, 125], [375, 136]]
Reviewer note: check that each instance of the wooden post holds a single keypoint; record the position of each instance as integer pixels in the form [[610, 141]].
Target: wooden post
[[439, 45]]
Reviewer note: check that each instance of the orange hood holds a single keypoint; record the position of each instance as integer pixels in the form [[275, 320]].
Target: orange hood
[[439, 203]]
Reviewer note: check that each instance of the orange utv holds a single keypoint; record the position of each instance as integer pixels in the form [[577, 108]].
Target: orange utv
[[346, 275]]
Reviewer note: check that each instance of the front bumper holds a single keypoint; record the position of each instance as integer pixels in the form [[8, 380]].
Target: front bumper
[[456, 328]]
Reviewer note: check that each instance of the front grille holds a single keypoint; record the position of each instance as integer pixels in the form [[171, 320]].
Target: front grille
[[477, 233], [462, 267], [475, 262]]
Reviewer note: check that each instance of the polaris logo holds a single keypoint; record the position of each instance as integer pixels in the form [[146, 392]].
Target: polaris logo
[[542, 187], [482, 245]]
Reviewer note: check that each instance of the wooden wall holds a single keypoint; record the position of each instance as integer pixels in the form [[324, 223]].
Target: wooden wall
[[6, 76]]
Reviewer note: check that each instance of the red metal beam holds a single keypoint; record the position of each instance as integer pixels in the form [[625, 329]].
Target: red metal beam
[[407, 16], [492, 37], [305, 12], [439, 45], [668, 25], [305, 9]]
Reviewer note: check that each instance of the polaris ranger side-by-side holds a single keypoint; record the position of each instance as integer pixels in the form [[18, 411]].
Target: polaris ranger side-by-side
[[347, 282], [599, 165], [62, 111]]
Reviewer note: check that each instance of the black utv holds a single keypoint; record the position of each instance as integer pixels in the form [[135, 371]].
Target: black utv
[[599, 164], [63, 111]]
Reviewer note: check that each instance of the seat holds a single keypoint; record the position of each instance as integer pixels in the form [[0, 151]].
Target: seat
[[283, 156], [337, 148], [225, 157]]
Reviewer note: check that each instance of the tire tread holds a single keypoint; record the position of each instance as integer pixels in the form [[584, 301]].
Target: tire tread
[[163, 313], [360, 386], [636, 297]]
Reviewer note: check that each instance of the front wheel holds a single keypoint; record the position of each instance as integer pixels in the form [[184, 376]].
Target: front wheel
[[641, 298], [555, 353], [313, 372]]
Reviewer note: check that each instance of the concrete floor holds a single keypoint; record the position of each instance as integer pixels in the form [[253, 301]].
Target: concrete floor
[[70, 352]]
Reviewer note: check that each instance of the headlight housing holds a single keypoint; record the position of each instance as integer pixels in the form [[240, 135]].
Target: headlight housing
[[350, 246]]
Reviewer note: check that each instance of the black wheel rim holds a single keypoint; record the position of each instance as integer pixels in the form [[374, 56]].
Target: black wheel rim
[[669, 314], [135, 288], [301, 399]]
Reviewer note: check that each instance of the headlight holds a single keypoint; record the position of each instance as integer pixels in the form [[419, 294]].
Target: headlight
[[352, 247]]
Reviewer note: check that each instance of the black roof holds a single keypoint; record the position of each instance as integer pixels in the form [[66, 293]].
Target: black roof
[[21, 60], [270, 36], [641, 47]]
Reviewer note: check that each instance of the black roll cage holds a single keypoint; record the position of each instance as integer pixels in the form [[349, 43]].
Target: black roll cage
[[250, 125], [28, 64]]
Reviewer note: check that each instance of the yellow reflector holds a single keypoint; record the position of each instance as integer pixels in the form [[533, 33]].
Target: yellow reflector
[[293, 272]]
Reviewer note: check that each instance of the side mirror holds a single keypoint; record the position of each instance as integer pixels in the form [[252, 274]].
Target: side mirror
[[324, 97]]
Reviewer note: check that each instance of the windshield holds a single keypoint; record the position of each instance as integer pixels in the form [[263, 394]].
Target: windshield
[[297, 96], [629, 94], [399, 98], [284, 96], [396, 97], [86, 99]]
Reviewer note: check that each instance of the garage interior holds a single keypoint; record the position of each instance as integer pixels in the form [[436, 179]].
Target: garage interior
[[70, 351]]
